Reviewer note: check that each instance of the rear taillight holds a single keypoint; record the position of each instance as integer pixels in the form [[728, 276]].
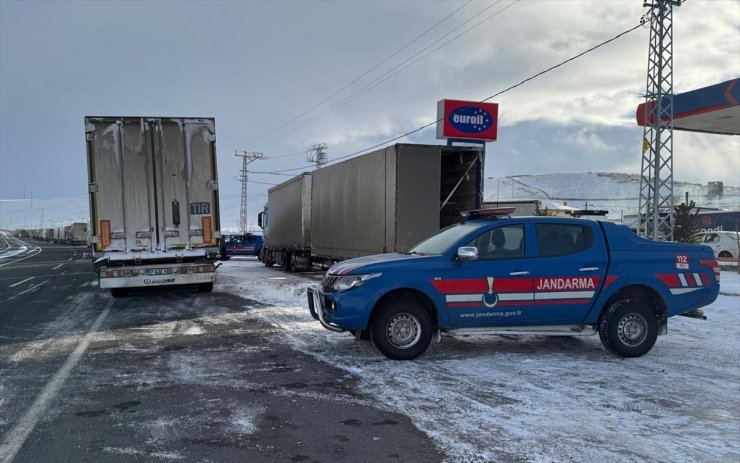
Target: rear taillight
[[711, 263]]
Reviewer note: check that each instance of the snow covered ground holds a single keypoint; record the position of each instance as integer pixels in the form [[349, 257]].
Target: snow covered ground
[[533, 398]]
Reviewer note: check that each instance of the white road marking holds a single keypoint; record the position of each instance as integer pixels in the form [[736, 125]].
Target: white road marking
[[24, 292], [54, 268], [31, 253], [70, 258], [21, 282], [17, 436], [30, 289]]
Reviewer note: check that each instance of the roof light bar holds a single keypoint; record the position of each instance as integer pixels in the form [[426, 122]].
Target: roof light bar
[[494, 212]]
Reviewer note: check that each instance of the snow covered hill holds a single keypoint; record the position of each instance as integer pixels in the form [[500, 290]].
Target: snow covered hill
[[615, 192]]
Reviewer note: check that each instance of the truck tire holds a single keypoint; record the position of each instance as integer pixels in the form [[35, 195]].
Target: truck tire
[[119, 292], [205, 287], [287, 262], [628, 328], [402, 329]]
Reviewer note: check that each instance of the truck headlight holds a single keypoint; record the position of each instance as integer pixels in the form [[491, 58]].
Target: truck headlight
[[352, 281]]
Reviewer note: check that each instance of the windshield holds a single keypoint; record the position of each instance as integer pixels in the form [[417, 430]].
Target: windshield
[[442, 241]]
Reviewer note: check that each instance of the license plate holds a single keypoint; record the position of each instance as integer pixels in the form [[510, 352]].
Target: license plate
[[158, 271]]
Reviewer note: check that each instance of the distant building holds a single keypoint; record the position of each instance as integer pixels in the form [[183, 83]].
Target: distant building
[[523, 208]]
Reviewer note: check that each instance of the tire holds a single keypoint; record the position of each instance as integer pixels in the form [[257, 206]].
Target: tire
[[628, 328], [293, 263], [205, 287], [402, 329], [119, 292], [726, 254], [287, 261], [361, 335]]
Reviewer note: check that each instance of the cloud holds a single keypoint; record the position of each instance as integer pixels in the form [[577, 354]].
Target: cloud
[[256, 65]]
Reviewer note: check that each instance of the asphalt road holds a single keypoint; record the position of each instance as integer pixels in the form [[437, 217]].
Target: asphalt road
[[171, 375]]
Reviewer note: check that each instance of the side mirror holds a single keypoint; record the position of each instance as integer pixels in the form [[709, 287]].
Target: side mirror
[[467, 253]]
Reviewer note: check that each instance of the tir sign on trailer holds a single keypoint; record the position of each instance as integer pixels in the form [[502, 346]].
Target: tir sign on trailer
[[467, 120]]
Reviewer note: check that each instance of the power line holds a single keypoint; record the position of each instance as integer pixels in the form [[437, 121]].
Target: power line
[[551, 68], [262, 183], [281, 127], [267, 173], [496, 94], [286, 155], [394, 70]]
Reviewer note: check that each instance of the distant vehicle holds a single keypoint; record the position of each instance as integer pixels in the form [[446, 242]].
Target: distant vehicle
[[519, 275], [383, 201], [248, 244], [154, 208], [724, 243], [77, 233]]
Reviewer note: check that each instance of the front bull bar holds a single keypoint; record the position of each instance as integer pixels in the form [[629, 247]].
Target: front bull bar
[[316, 307]]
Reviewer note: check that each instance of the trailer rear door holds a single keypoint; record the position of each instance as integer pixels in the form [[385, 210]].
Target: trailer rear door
[[153, 183]]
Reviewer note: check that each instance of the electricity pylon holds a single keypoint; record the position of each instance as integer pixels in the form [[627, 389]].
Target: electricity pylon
[[247, 158]]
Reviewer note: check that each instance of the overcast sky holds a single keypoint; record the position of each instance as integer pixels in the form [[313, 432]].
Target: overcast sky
[[255, 66]]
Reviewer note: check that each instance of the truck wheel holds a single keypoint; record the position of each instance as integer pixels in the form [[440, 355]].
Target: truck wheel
[[628, 328], [287, 261], [725, 254], [205, 287], [118, 292], [402, 330]]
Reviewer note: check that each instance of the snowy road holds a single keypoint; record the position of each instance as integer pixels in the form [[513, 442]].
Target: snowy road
[[533, 398]]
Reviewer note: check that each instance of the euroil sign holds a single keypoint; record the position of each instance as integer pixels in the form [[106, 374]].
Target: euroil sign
[[467, 120]]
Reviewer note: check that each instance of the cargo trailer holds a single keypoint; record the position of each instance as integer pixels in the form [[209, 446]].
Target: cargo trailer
[[77, 233], [154, 205], [384, 201]]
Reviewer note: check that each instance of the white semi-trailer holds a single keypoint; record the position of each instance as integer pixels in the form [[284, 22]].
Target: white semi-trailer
[[154, 208], [77, 233]]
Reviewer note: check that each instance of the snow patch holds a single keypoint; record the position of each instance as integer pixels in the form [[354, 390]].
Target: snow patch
[[536, 398]]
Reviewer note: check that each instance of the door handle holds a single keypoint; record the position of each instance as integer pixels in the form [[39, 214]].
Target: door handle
[[514, 274], [588, 269]]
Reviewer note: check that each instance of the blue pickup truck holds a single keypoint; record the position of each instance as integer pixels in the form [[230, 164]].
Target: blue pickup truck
[[522, 275], [247, 244]]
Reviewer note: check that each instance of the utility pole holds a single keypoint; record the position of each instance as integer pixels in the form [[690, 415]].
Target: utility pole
[[247, 158], [656, 211], [317, 154]]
